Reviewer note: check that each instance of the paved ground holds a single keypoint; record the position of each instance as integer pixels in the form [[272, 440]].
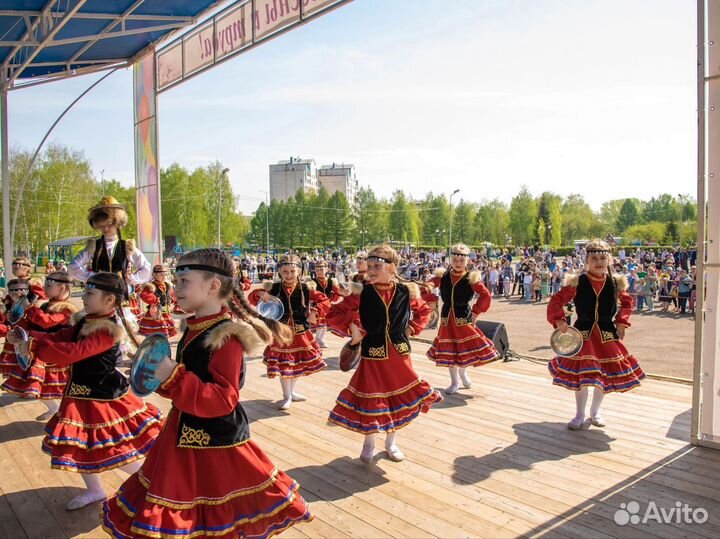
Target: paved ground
[[662, 342]]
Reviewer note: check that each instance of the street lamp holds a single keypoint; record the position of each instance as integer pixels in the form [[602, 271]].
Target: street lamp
[[455, 192], [220, 178], [363, 232]]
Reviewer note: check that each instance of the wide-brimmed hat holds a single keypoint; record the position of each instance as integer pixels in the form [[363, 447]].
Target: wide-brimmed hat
[[108, 202]]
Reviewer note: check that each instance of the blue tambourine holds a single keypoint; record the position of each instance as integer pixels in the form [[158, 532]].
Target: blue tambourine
[[143, 377], [23, 360], [272, 308], [17, 311]]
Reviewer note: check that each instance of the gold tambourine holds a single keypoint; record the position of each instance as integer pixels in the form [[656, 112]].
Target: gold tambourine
[[566, 344]]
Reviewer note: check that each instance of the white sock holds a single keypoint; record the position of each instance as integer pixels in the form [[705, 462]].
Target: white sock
[[454, 380], [320, 335], [581, 398], [467, 383], [598, 397], [287, 387], [132, 467], [390, 440], [368, 446], [93, 493], [52, 405]]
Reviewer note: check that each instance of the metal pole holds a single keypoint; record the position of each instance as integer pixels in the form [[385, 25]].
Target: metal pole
[[695, 434], [7, 239], [220, 184]]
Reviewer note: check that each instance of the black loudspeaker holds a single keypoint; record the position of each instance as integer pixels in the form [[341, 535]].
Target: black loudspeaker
[[496, 332]]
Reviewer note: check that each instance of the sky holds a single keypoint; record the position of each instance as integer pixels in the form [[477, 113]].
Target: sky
[[595, 97]]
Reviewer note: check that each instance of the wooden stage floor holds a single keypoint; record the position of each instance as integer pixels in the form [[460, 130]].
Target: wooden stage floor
[[493, 461]]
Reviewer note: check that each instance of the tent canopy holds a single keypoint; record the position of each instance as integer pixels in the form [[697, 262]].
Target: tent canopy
[[47, 39]]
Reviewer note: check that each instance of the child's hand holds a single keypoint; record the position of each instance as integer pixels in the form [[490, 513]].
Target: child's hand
[[263, 295], [356, 333], [12, 337], [562, 325], [621, 331], [165, 368], [312, 317]]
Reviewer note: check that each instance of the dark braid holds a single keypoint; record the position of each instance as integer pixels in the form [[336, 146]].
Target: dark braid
[[231, 288]]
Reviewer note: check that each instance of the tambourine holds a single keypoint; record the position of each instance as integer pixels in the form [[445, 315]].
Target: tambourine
[[566, 344], [23, 360], [143, 377], [17, 310], [272, 308], [349, 356]]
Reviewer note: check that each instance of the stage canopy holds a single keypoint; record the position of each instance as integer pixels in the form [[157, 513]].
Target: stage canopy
[[41, 40]]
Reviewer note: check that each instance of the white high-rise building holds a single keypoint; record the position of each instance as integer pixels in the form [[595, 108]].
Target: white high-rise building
[[339, 177], [288, 177]]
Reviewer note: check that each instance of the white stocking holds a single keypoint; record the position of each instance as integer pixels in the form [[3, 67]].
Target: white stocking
[[132, 467], [581, 398], [598, 397]]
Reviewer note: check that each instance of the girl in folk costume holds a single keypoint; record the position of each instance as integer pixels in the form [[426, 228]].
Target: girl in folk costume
[[100, 424], [331, 289], [159, 297], [43, 380], [301, 303], [603, 362], [241, 275], [384, 394], [459, 343], [362, 268], [29, 290], [110, 252], [205, 477]]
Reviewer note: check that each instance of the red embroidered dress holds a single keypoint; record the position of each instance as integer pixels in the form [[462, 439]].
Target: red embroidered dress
[[159, 297], [384, 394], [205, 477], [603, 361]]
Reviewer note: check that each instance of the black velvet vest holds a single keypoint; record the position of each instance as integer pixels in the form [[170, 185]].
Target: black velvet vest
[[457, 298], [164, 298], [96, 377], [101, 258], [327, 289], [592, 308], [207, 432], [385, 324], [358, 278], [296, 305]]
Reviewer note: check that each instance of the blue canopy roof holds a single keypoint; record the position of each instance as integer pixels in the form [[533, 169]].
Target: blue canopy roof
[[41, 39]]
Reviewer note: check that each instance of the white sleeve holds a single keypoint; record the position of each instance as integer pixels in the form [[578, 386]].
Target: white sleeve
[[143, 271], [78, 267]]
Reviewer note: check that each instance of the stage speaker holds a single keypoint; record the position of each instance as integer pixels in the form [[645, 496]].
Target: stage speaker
[[496, 332]]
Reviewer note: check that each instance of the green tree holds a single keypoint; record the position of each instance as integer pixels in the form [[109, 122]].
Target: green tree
[[650, 232], [578, 219], [403, 226], [629, 215], [662, 209], [435, 213], [523, 214], [463, 220], [540, 232], [491, 222]]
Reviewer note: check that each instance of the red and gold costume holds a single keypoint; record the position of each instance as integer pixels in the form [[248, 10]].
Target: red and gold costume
[[302, 356], [384, 394], [8, 360], [43, 379], [603, 361], [159, 297], [100, 425], [459, 342], [205, 477], [331, 290]]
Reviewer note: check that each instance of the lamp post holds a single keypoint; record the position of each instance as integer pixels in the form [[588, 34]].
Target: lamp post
[[267, 219], [455, 192], [363, 232], [220, 179]]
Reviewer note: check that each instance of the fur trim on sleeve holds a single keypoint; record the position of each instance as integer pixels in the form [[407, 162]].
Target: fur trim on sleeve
[[130, 245], [61, 306], [311, 285], [93, 326], [571, 279], [355, 288], [243, 332], [439, 272], [149, 287], [473, 276], [414, 290], [267, 285], [621, 282]]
